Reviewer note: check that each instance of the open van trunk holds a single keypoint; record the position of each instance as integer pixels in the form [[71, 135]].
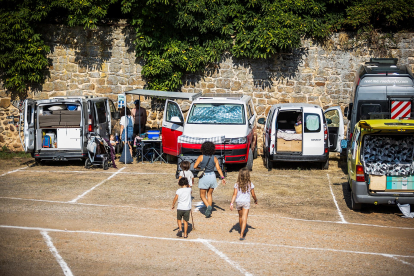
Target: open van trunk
[[289, 132], [388, 162], [59, 126]]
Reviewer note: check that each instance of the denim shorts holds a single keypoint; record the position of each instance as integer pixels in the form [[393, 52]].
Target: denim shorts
[[208, 181], [242, 205]]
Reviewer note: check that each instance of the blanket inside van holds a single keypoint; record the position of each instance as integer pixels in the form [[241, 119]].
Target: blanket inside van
[[387, 155], [288, 135]]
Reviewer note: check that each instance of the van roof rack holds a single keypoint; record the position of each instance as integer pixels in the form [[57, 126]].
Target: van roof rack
[[222, 95], [72, 97], [382, 61]]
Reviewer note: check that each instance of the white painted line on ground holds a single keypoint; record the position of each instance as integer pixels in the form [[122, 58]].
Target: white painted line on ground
[[59, 259], [13, 171], [224, 257], [336, 203], [293, 175], [201, 204], [203, 240], [94, 187], [404, 262], [98, 172]]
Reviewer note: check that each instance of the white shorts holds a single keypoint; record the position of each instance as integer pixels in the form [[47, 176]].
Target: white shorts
[[241, 205]]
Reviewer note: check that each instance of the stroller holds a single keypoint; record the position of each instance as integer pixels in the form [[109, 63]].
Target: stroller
[[99, 152]]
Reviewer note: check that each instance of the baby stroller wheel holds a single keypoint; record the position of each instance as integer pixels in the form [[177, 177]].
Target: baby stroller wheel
[[105, 164], [88, 163]]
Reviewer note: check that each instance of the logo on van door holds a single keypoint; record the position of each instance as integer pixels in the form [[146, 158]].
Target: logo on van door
[[316, 139]]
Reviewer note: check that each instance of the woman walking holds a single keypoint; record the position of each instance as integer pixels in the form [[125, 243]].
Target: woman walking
[[242, 191], [127, 123], [208, 182]]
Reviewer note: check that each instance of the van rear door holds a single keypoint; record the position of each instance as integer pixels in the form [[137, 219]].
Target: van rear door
[[101, 115], [313, 132], [335, 122], [172, 127], [29, 125]]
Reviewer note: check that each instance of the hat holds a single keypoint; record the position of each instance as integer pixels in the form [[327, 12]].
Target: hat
[[136, 102]]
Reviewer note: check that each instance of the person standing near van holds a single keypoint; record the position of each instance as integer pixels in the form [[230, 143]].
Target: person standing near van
[[139, 116], [208, 182], [127, 123], [242, 191]]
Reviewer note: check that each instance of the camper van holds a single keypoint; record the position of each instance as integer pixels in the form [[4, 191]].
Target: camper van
[[296, 132], [57, 128], [230, 115], [380, 163], [382, 90]]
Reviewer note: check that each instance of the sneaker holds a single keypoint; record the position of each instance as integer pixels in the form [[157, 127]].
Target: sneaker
[[179, 233], [208, 211]]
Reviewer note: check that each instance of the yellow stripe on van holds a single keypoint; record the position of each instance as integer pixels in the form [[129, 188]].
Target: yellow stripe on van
[[387, 124]]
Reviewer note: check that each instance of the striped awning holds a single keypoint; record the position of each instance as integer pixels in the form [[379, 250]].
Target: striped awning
[[199, 140]]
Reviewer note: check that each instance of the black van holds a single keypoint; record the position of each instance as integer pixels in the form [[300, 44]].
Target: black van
[[382, 90]]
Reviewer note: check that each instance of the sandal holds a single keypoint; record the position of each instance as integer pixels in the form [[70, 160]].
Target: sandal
[[179, 233]]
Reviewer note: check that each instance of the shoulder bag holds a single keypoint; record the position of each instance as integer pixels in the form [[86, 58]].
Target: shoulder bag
[[204, 170]]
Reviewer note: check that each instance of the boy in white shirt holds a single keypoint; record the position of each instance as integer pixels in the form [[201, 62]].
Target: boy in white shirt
[[183, 196], [185, 167]]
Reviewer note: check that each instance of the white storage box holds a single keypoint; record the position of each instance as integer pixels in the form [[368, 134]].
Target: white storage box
[[68, 138]]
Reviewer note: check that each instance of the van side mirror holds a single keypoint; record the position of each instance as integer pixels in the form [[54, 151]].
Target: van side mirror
[[176, 120], [261, 121], [116, 115]]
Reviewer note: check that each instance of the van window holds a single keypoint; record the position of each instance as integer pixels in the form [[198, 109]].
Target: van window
[[173, 111], [366, 109], [269, 119], [312, 122], [217, 113], [101, 112], [251, 111], [334, 116]]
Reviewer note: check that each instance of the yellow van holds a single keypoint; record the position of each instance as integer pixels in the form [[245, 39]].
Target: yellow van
[[380, 162]]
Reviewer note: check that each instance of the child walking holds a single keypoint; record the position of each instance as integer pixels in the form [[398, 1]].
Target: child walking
[[242, 191], [183, 196], [185, 167]]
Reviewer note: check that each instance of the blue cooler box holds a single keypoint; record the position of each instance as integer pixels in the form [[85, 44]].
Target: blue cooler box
[[153, 134], [400, 182]]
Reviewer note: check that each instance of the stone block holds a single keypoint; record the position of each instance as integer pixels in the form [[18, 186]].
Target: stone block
[[103, 89], [223, 83], [112, 80], [306, 77], [65, 76], [114, 67], [261, 101], [4, 103], [48, 86], [348, 77], [57, 94], [70, 68], [88, 86], [298, 99], [236, 86], [334, 79], [82, 69], [122, 81], [60, 86], [227, 74], [74, 93], [318, 83], [94, 75]]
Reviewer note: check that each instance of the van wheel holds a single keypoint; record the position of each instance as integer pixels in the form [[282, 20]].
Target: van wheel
[[88, 163], [105, 165], [255, 152], [325, 165], [355, 206], [268, 163], [249, 164], [38, 162]]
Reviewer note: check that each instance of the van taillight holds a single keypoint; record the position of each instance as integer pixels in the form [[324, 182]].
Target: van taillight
[[360, 176], [350, 136], [90, 125], [325, 132]]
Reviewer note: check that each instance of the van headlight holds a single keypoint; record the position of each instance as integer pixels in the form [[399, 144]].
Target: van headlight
[[241, 140]]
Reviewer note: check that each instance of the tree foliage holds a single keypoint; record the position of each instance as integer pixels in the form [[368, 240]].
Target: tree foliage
[[184, 36]]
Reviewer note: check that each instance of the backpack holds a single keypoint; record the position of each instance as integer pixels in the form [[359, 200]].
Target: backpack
[[46, 141]]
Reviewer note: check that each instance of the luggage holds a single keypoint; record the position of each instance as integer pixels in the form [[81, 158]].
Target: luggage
[[46, 142]]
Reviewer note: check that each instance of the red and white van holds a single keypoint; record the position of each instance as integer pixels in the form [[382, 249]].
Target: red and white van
[[230, 115]]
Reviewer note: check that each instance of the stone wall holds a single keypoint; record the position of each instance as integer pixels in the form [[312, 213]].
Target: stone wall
[[103, 63]]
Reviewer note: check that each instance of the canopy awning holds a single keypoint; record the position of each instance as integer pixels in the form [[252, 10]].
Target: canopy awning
[[164, 94], [198, 140]]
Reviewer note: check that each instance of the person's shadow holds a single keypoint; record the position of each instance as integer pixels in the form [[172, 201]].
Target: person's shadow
[[189, 229], [237, 228]]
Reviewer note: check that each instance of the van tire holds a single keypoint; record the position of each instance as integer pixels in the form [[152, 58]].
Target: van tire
[[88, 163], [249, 164], [355, 206], [325, 165], [255, 152], [268, 163]]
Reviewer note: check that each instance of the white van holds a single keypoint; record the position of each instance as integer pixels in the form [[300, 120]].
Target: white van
[[66, 121], [296, 132], [211, 115]]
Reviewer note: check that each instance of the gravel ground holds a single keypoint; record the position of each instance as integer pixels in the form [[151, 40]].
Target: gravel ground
[[120, 222]]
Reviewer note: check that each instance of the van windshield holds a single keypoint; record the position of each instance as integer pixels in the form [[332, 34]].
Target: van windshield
[[217, 113]]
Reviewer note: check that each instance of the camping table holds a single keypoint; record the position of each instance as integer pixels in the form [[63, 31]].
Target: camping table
[[156, 151]]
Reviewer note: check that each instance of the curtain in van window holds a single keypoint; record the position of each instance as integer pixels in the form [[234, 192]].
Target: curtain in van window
[[312, 122], [173, 111], [101, 110], [217, 114]]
